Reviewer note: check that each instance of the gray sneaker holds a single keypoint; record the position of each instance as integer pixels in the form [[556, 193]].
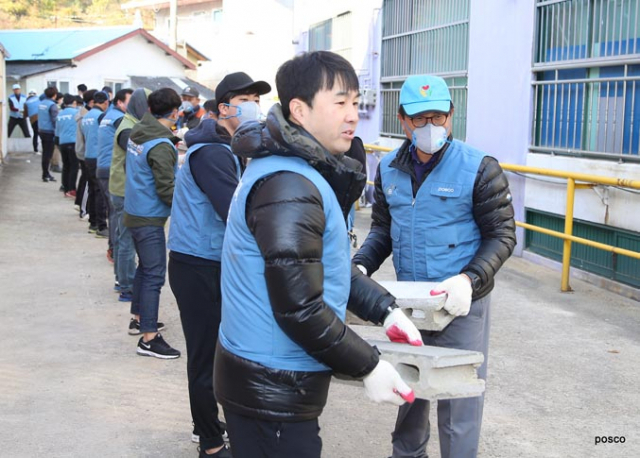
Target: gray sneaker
[[102, 233]]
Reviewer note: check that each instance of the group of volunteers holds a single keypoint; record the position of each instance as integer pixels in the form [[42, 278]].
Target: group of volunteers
[[259, 256]]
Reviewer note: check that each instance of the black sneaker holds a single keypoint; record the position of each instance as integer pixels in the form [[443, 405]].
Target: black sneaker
[[93, 229], [134, 327], [224, 452], [102, 233], [157, 348], [50, 178]]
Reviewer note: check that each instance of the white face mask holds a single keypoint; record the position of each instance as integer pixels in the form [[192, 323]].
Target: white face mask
[[246, 111], [429, 139]]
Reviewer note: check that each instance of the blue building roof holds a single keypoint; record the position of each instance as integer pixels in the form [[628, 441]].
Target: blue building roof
[[57, 44]]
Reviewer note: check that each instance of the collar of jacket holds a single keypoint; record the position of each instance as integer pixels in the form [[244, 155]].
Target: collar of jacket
[[278, 137], [404, 162]]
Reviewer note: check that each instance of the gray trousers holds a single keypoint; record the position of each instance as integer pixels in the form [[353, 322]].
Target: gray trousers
[[459, 420]]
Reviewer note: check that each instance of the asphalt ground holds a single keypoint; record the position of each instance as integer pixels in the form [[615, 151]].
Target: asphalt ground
[[563, 368]]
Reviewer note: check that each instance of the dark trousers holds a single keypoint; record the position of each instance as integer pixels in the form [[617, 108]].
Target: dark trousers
[[82, 185], [47, 152], [253, 438], [152, 267], [197, 291], [22, 122], [103, 182], [96, 202], [34, 126], [69, 166]]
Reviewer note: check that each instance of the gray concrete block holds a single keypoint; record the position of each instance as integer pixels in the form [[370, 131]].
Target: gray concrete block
[[432, 372], [416, 301]]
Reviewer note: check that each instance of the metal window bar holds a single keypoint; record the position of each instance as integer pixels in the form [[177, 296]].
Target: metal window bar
[[606, 124], [568, 30], [341, 38]]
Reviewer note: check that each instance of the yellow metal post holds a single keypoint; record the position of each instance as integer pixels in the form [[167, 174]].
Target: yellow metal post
[[568, 229]]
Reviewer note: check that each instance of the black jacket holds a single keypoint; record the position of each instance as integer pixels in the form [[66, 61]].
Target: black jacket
[[492, 212], [284, 212]]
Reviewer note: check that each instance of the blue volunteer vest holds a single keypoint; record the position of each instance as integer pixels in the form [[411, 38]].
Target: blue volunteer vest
[[141, 198], [248, 328], [90, 128], [17, 104], [196, 229], [434, 235], [45, 123], [32, 105], [106, 134], [66, 126]]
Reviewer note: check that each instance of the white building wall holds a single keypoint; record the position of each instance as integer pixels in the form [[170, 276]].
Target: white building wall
[[132, 57], [500, 100]]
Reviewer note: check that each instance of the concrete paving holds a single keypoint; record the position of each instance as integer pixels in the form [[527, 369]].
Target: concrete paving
[[563, 368]]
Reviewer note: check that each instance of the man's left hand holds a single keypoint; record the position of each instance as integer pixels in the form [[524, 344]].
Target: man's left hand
[[401, 329], [458, 290]]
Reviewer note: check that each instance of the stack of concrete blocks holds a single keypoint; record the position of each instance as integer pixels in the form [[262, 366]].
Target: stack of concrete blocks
[[432, 372]]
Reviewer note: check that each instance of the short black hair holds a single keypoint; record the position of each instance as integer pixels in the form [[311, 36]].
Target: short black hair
[[107, 89], [68, 99], [309, 73], [88, 95], [59, 96], [163, 101], [51, 92], [403, 113], [79, 100], [82, 87], [231, 94], [210, 105], [121, 95]]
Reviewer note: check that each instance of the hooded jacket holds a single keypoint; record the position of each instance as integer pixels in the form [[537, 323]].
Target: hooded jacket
[[286, 216], [136, 109], [162, 160]]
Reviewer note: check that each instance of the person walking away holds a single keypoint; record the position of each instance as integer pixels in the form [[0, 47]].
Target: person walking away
[[66, 138], [33, 101], [47, 115]]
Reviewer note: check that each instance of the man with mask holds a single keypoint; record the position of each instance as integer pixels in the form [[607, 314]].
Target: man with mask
[[190, 111], [151, 164], [204, 187], [287, 279], [444, 210], [124, 253]]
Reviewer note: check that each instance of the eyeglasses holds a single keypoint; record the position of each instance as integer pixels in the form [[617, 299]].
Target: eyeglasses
[[437, 119]]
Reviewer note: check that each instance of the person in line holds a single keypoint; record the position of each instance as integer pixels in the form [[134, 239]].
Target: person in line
[[191, 112], [287, 279], [90, 126], [124, 253], [106, 134], [151, 164], [82, 201], [66, 135], [443, 208], [33, 101], [47, 115], [204, 187]]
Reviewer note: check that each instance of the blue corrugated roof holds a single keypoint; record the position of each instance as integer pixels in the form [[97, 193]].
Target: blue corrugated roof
[[57, 44]]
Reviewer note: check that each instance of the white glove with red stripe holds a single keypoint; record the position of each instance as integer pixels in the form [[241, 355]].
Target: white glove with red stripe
[[458, 290], [384, 384], [401, 329]]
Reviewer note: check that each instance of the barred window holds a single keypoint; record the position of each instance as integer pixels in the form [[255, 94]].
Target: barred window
[[587, 85], [332, 35], [424, 37]]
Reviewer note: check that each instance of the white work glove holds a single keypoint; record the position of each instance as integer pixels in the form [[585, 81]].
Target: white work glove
[[400, 328], [458, 290], [384, 384], [363, 269]]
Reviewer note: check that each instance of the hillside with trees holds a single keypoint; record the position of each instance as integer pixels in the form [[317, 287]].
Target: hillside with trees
[[40, 14]]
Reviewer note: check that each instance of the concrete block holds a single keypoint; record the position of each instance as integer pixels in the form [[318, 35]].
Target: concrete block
[[416, 301], [432, 372]]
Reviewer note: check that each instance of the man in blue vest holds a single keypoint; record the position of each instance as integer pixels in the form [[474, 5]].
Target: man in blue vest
[[90, 126], [47, 114], [33, 101], [151, 164], [287, 279], [106, 134], [18, 112], [66, 134], [204, 187], [444, 210]]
